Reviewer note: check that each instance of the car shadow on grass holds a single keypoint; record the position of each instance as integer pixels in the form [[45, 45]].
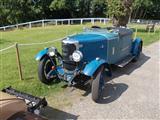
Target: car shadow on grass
[[55, 114], [114, 90]]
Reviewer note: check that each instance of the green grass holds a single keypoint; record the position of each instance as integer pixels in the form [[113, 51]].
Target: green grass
[[9, 72], [147, 37]]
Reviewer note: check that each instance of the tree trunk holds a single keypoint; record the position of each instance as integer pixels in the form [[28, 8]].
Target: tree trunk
[[122, 20], [144, 14]]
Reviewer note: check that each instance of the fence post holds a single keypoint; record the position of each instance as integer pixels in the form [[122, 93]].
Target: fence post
[[30, 25], [81, 21], [42, 23], [104, 21], [18, 62], [149, 30], [56, 23], [100, 20], [135, 34], [4, 28], [68, 22], [17, 26], [92, 21]]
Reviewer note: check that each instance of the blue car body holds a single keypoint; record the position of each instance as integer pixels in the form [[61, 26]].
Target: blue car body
[[98, 47]]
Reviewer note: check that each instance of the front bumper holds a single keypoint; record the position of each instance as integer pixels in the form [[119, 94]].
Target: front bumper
[[67, 75]]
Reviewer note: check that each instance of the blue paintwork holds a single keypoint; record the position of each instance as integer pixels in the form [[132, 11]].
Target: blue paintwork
[[91, 67], [92, 36], [41, 54], [109, 47], [60, 70], [92, 41], [135, 45], [54, 72], [104, 44]]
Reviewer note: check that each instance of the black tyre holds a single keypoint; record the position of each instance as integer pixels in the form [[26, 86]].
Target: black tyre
[[138, 54], [98, 85], [45, 66]]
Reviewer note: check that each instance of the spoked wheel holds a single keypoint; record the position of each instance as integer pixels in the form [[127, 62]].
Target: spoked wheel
[[138, 53], [46, 71], [98, 85]]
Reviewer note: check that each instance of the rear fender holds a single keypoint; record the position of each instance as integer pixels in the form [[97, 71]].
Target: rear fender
[[135, 45], [92, 67], [41, 54]]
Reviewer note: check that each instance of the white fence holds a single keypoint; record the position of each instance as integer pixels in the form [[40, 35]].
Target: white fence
[[44, 22], [143, 21], [56, 22]]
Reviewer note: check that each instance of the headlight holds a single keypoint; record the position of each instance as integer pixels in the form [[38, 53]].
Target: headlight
[[52, 51], [77, 56]]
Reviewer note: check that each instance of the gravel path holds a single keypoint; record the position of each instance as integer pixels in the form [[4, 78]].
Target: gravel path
[[132, 93]]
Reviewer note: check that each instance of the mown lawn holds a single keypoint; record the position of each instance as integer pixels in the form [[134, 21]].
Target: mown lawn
[[9, 73]]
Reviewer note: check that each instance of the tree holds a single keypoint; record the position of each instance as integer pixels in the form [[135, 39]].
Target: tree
[[12, 12], [153, 11], [17, 11], [140, 8], [146, 9], [63, 8], [98, 8], [120, 11]]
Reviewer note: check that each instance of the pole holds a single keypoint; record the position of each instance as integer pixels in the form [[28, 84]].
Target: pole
[[56, 22], [30, 26], [135, 34], [42, 23], [81, 21], [149, 30], [18, 62], [17, 26], [93, 21], [104, 21], [68, 22]]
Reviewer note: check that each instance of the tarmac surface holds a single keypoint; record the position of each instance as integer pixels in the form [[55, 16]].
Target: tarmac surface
[[132, 93]]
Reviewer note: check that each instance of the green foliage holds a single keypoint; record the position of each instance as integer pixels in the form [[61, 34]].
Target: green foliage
[[120, 11], [115, 8], [98, 7], [17, 11], [149, 9], [144, 3], [58, 4]]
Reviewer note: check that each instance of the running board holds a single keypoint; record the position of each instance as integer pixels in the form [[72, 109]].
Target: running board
[[125, 61]]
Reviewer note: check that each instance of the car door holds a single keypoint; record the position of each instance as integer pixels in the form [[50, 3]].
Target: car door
[[125, 46]]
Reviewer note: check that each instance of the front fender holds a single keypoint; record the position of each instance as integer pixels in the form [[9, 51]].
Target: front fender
[[41, 54], [135, 45], [91, 67]]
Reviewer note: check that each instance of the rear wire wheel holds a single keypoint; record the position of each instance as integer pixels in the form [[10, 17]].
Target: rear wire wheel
[[138, 53]]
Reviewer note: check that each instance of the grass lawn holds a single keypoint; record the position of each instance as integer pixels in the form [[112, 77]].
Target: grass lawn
[[9, 73]]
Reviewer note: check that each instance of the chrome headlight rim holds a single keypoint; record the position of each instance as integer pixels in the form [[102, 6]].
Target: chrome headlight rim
[[77, 56], [52, 51]]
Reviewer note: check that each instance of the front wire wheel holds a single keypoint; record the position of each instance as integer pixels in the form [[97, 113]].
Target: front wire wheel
[[45, 73], [98, 84]]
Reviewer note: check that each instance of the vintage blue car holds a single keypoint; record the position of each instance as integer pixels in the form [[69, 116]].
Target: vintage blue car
[[88, 56]]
